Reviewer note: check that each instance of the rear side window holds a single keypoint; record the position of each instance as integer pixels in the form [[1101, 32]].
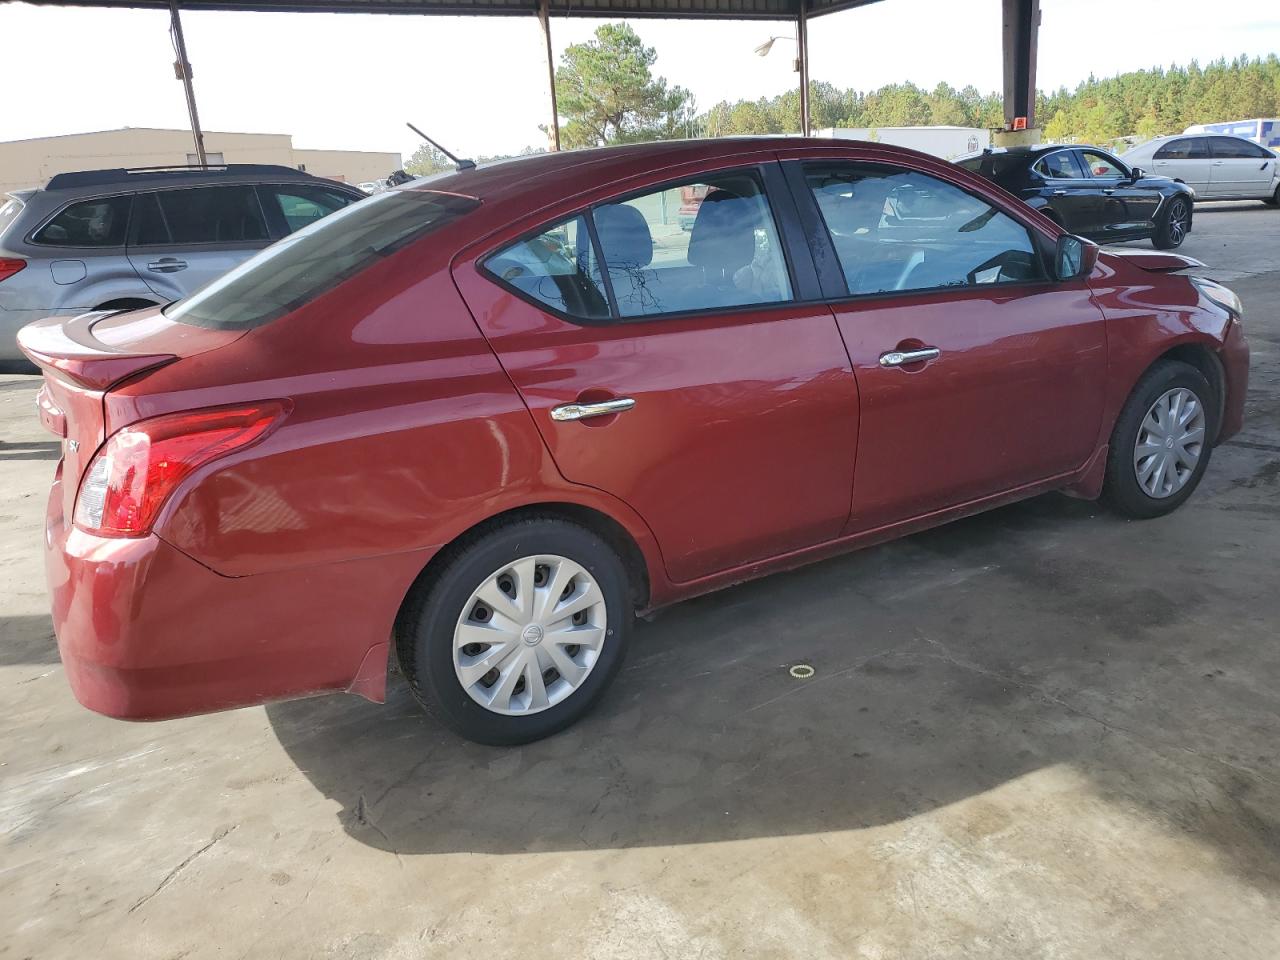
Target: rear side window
[[705, 245], [558, 268], [303, 204], [895, 229], [1188, 148], [89, 223], [1058, 166], [317, 258], [228, 214]]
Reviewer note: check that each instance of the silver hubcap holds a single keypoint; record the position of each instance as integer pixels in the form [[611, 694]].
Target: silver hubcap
[[529, 635], [1177, 221], [1170, 442]]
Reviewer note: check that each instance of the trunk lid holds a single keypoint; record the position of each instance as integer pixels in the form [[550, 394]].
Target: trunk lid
[[83, 357]]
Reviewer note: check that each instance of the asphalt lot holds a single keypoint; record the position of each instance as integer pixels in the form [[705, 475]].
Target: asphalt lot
[[1044, 732]]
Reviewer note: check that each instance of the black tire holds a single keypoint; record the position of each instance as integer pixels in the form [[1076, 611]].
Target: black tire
[[1121, 490], [1174, 224], [425, 629], [1274, 199]]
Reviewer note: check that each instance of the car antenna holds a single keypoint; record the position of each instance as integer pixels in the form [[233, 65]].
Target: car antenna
[[458, 165]]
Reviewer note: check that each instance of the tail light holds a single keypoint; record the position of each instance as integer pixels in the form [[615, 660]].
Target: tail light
[[9, 266], [138, 468]]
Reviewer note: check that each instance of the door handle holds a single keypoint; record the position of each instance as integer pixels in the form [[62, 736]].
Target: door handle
[[898, 358], [583, 411], [1218, 163], [1109, 191], [1059, 193], [167, 265]]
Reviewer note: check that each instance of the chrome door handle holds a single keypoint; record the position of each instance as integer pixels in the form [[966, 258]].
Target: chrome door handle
[[582, 411], [1059, 193], [167, 265], [897, 358]]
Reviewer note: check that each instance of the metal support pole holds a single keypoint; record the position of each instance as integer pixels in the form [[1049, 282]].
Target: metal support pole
[[544, 17], [802, 64], [1020, 39], [182, 67]]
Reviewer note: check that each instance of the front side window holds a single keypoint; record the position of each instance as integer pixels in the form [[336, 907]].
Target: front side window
[[89, 223], [1187, 148], [1058, 166], [1232, 148], [895, 229], [703, 245], [317, 258], [303, 204], [1100, 165], [228, 214], [558, 268]]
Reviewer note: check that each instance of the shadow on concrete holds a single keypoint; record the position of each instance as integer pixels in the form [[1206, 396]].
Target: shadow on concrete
[[30, 450], [946, 664], [27, 640]]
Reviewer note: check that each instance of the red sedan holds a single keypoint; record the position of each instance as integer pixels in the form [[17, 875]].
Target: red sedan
[[473, 425]]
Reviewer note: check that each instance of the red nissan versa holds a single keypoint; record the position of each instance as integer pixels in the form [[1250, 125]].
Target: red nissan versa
[[474, 424]]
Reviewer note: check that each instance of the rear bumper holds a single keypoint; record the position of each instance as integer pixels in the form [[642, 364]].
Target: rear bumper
[[1235, 364], [147, 633]]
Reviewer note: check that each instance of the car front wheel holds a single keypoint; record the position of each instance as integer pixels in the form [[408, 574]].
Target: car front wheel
[[520, 633], [1174, 225], [1162, 441]]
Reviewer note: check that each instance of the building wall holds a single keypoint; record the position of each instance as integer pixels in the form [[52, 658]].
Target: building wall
[[945, 142], [30, 163]]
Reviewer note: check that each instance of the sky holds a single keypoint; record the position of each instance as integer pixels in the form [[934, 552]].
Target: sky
[[478, 85]]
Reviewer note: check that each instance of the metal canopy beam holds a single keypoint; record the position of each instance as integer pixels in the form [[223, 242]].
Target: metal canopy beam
[[671, 9], [1021, 37]]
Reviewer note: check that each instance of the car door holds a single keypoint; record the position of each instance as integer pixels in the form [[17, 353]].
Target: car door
[[1240, 169], [1186, 159], [181, 238], [1125, 208], [1071, 194], [976, 374], [81, 256], [689, 378]]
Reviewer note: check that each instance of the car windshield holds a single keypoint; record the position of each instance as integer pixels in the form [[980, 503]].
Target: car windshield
[[317, 258]]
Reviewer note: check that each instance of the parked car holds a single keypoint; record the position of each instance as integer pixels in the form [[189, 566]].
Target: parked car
[[474, 424], [1089, 192], [1215, 166], [126, 239]]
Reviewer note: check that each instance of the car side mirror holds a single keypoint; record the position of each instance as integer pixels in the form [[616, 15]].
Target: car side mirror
[[1136, 173], [1074, 257]]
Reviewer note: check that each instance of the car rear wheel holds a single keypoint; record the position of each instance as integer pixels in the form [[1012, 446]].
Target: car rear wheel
[[1162, 441], [1274, 199], [520, 633], [1174, 225]]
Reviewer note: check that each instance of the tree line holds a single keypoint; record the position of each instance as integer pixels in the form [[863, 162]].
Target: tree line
[[608, 94]]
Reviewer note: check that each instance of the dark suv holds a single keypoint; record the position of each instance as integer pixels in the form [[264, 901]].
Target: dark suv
[[123, 239]]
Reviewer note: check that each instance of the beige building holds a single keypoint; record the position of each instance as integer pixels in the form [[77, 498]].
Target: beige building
[[30, 163]]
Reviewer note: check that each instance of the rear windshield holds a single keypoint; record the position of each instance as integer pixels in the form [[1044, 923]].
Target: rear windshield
[[991, 165], [10, 207], [317, 258]]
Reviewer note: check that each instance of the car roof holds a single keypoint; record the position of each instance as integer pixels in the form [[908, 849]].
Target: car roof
[[581, 170], [95, 181]]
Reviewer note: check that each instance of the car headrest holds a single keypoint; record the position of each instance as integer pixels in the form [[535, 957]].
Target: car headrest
[[861, 210], [625, 241], [724, 231]]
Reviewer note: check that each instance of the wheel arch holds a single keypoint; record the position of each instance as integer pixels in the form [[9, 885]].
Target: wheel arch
[[1205, 359], [126, 303], [609, 529]]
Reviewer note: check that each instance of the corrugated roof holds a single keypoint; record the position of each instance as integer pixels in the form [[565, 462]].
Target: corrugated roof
[[700, 9]]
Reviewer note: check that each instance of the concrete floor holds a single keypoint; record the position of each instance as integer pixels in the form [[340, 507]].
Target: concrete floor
[[1040, 733]]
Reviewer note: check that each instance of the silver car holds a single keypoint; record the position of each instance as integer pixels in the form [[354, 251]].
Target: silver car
[[1215, 166], [124, 239]]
